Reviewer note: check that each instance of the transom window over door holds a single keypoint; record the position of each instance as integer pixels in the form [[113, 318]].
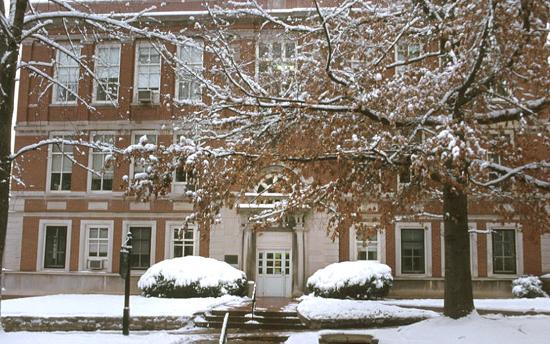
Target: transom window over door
[[141, 247], [504, 251], [67, 74], [183, 242], [103, 181], [107, 60], [412, 251], [55, 247], [61, 166]]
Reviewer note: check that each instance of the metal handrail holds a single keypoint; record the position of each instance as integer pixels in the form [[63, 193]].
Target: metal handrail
[[253, 300], [223, 334]]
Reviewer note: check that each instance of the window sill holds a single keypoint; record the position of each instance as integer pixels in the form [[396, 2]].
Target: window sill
[[68, 104], [105, 104], [144, 104]]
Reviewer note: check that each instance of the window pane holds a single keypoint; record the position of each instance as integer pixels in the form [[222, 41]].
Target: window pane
[[412, 251], [55, 247]]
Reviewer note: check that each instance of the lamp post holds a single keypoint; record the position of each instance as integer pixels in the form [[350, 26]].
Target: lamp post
[[124, 272]]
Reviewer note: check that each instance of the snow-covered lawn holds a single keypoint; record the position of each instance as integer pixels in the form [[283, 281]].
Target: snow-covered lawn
[[514, 305], [111, 305], [473, 329], [89, 338], [317, 308]]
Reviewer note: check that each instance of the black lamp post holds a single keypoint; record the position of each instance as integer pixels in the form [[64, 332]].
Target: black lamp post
[[124, 272]]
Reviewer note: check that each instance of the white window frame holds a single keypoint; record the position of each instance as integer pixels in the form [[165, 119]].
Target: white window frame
[[156, 94], [490, 226], [50, 161], [178, 186], [427, 226], [270, 39], [91, 161], [403, 68], [85, 225], [184, 71], [169, 238], [96, 65], [42, 243], [55, 86], [473, 249], [153, 225], [134, 141], [380, 244]]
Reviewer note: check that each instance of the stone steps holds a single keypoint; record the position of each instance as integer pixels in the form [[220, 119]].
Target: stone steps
[[242, 319]]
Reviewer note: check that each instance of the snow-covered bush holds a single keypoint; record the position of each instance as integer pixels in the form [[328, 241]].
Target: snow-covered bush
[[528, 287], [359, 280], [192, 276]]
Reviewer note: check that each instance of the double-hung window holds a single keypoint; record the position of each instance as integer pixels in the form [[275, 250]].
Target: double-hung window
[[107, 68], [504, 251], [140, 164], [412, 251], [367, 249], [98, 246], [67, 75], [190, 58], [148, 73], [55, 247], [183, 242], [276, 65], [102, 178], [140, 256], [404, 53], [61, 166]]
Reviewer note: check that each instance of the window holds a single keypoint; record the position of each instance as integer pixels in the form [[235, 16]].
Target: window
[[276, 62], [189, 88], [367, 249], [140, 165], [55, 247], [61, 166], [406, 52], [67, 74], [103, 180], [412, 251], [98, 242], [273, 263], [107, 68], [140, 257], [504, 251], [183, 242], [148, 71]]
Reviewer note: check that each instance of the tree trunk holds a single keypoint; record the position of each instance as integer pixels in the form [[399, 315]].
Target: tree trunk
[[459, 299]]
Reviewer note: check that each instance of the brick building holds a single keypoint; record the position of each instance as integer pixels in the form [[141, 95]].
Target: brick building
[[66, 225]]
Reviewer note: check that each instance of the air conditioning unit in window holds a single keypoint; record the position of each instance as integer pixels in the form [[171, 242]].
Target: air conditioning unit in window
[[95, 264], [145, 96]]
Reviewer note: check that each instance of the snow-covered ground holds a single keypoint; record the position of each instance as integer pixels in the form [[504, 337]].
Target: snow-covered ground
[[317, 308], [473, 329], [541, 304], [90, 338], [111, 305]]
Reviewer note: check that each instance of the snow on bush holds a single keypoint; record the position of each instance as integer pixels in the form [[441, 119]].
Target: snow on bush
[[528, 287], [192, 276], [359, 280]]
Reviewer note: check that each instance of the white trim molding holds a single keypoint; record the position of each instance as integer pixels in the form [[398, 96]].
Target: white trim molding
[[519, 248], [42, 243], [84, 247], [427, 226]]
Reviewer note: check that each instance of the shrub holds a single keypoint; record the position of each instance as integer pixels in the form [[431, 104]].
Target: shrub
[[359, 280], [528, 287], [192, 276]]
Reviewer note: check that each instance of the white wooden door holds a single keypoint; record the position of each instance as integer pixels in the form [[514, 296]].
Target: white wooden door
[[274, 273]]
